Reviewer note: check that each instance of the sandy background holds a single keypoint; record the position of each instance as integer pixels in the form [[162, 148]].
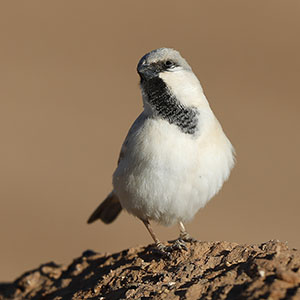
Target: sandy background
[[69, 92]]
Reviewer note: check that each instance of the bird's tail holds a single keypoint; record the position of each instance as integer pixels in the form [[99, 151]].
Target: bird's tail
[[107, 211]]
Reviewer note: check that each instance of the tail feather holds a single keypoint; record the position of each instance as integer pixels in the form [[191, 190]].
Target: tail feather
[[107, 211]]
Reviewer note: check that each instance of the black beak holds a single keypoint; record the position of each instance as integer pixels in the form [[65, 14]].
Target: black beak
[[146, 71]]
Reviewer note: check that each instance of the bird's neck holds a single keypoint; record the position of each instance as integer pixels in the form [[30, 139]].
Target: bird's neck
[[160, 102]]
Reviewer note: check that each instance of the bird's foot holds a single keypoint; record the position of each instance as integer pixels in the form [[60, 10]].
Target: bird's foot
[[166, 251], [187, 238], [178, 244], [162, 250]]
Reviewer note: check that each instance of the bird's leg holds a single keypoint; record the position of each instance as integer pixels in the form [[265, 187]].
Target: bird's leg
[[184, 236], [179, 244], [157, 242]]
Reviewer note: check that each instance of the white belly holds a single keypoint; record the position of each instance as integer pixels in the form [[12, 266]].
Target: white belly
[[167, 176]]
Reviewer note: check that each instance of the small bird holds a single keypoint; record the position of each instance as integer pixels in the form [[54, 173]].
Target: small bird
[[175, 157]]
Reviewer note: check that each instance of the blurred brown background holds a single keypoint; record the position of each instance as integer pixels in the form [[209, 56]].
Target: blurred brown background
[[69, 92]]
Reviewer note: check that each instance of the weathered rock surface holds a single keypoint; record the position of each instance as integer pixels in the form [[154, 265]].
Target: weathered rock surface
[[207, 270]]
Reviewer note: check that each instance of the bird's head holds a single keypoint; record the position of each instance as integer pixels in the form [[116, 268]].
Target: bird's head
[[164, 76], [161, 60]]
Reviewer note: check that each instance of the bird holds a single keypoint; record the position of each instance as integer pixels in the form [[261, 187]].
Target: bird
[[176, 155]]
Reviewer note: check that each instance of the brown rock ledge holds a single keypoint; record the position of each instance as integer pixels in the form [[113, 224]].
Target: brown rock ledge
[[208, 270]]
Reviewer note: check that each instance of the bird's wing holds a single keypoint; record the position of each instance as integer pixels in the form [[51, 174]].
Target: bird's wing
[[123, 151], [132, 131], [110, 208]]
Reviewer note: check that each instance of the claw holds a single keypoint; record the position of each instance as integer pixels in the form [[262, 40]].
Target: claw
[[162, 250], [184, 236], [179, 244], [166, 251], [187, 238]]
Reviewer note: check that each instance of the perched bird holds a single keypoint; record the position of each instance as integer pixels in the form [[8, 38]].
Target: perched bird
[[175, 157]]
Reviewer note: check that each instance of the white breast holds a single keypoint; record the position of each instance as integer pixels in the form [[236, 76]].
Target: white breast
[[167, 175]]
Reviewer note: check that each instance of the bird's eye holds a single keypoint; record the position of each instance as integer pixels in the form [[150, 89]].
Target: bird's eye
[[168, 63]]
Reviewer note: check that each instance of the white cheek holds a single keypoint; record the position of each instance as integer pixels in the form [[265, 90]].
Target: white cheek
[[185, 86]]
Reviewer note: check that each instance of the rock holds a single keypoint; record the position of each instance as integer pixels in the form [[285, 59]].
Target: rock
[[207, 270]]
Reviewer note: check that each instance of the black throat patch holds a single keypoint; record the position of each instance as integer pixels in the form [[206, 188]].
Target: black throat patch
[[168, 107]]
